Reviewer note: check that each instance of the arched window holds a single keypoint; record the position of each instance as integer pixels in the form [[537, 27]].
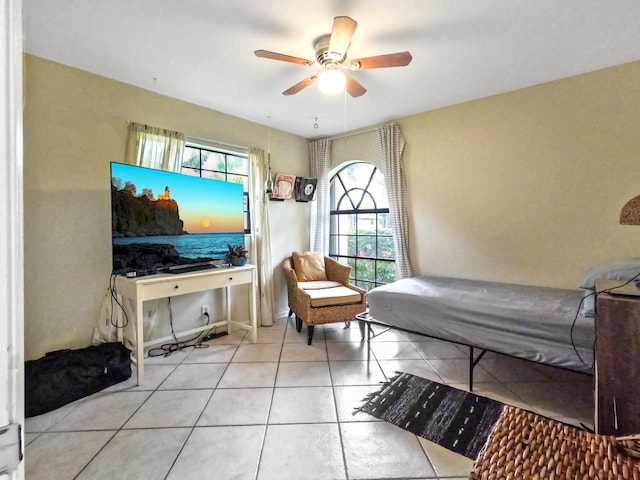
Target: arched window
[[360, 226]]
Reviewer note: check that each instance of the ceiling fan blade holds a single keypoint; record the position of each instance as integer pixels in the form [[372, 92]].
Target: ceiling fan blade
[[399, 59], [341, 35], [354, 87], [282, 57], [300, 85]]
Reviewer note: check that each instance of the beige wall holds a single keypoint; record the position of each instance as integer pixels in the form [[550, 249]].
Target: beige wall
[[524, 187], [75, 123]]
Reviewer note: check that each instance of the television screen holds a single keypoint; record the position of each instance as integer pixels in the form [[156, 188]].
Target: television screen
[[162, 219]]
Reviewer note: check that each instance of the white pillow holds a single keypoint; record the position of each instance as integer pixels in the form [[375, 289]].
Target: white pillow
[[588, 306], [621, 270]]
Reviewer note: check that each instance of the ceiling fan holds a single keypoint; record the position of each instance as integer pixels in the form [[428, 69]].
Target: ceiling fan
[[331, 55]]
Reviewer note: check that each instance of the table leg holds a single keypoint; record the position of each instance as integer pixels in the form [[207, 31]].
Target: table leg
[[228, 302], [140, 341], [252, 308]]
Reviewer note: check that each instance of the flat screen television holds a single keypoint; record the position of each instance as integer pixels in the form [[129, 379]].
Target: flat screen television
[[162, 219]]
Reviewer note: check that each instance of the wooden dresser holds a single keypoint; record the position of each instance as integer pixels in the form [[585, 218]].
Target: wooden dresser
[[617, 371]]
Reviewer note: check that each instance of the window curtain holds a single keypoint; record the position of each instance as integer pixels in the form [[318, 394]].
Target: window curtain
[[260, 248], [155, 147], [320, 160], [390, 146]]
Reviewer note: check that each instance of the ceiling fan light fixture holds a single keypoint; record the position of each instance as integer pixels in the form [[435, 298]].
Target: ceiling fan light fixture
[[331, 51], [331, 81]]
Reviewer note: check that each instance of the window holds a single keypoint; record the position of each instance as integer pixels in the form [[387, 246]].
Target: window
[[210, 162], [360, 232]]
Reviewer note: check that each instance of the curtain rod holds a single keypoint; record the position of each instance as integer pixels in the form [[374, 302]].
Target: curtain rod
[[213, 144], [353, 133]]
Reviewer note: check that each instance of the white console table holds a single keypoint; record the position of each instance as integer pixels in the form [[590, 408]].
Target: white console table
[[163, 285]]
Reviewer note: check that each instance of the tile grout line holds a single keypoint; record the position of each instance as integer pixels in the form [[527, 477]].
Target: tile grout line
[[335, 406], [192, 429], [273, 392]]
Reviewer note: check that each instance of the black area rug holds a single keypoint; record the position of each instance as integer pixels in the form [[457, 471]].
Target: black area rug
[[457, 420]]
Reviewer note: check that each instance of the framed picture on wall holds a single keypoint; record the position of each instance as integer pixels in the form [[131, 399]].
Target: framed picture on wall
[[283, 186], [305, 189]]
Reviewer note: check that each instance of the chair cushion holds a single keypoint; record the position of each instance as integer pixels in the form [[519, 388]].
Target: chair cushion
[[309, 266], [326, 297], [318, 284]]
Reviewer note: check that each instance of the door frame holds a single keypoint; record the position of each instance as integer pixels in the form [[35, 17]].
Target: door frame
[[12, 228]]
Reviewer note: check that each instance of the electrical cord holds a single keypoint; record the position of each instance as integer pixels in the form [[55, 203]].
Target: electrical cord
[[575, 318], [168, 348], [195, 342], [573, 325], [114, 300]]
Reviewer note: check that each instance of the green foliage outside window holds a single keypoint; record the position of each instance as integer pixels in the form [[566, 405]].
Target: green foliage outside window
[[375, 264], [371, 273], [372, 244]]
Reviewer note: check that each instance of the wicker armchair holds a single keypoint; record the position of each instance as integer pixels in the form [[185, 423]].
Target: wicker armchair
[[317, 302]]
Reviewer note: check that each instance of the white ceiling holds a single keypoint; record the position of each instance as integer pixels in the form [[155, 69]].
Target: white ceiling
[[201, 51]]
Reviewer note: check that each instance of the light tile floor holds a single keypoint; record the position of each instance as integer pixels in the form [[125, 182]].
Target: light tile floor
[[280, 409]]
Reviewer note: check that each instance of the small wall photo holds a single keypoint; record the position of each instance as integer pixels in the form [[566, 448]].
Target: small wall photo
[[283, 187], [305, 189]]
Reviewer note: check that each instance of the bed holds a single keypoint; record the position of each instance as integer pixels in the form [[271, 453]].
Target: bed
[[539, 324]]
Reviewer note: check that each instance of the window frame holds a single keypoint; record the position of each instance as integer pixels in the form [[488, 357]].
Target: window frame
[[338, 208]]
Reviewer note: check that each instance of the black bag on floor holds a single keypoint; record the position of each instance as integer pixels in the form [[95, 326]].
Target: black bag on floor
[[64, 376]]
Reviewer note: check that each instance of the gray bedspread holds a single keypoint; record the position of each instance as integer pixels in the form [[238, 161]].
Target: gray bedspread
[[534, 323]]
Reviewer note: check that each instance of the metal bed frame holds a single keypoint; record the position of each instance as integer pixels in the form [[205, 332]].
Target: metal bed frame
[[365, 319]]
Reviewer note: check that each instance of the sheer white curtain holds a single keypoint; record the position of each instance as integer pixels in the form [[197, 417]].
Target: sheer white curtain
[[390, 146], [320, 161], [155, 147], [260, 248]]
